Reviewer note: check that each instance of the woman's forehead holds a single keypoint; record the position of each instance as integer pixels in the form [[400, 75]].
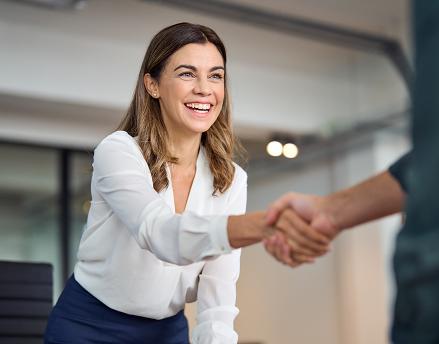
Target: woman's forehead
[[197, 54]]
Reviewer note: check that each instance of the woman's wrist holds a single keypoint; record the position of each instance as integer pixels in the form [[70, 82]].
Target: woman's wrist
[[248, 229]]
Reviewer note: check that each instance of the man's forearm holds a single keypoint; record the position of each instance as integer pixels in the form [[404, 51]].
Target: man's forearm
[[372, 199]]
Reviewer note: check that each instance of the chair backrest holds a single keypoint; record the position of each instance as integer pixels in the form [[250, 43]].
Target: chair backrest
[[25, 301]]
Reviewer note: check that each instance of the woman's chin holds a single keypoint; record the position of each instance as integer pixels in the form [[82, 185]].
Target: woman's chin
[[199, 127]]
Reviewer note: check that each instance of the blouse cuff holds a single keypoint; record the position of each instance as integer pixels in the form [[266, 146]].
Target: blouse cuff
[[214, 332], [215, 326]]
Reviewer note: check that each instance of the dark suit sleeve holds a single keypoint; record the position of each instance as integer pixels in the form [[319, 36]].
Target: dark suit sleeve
[[400, 170]]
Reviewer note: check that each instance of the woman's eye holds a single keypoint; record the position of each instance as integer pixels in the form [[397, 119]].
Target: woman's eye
[[186, 75], [217, 76]]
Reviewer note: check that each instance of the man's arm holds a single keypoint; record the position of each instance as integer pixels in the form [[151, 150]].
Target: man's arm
[[374, 198]]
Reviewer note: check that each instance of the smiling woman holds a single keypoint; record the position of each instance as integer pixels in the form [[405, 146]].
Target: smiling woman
[[184, 69], [166, 210], [191, 91]]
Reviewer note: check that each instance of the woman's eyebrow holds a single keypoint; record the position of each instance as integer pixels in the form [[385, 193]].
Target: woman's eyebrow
[[185, 66], [195, 68], [216, 68]]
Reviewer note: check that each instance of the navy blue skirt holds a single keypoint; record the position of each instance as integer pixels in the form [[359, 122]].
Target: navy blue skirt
[[78, 317]]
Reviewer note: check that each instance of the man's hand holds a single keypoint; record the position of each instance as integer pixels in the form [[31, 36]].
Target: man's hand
[[305, 229], [378, 196]]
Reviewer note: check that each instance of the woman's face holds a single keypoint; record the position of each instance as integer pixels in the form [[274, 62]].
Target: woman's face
[[191, 89]]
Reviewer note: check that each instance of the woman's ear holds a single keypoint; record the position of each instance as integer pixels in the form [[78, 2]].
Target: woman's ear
[[151, 85]]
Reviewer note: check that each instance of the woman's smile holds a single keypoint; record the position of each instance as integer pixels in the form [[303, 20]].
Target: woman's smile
[[191, 89], [198, 109]]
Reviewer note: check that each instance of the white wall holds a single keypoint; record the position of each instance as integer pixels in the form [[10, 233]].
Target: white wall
[[91, 57]]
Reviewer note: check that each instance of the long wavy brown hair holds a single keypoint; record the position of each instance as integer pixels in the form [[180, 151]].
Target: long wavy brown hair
[[144, 118]]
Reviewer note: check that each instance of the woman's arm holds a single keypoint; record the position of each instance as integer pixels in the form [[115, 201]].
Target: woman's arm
[[121, 178]]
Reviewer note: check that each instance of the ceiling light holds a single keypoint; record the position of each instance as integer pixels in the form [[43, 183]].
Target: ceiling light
[[290, 150], [274, 148]]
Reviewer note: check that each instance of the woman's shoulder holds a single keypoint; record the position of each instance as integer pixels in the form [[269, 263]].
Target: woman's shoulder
[[240, 175], [117, 136], [117, 143], [119, 139]]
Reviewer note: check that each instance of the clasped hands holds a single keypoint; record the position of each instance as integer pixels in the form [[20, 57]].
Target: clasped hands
[[304, 228]]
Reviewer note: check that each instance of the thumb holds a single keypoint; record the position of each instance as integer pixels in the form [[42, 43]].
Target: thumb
[[324, 226], [304, 207], [277, 207], [271, 216], [307, 208]]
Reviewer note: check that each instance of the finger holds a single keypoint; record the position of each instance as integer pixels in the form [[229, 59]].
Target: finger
[[303, 259], [277, 207], [302, 249], [287, 256], [315, 238], [267, 240], [289, 250], [304, 246], [268, 245], [297, 247], [284, 255], [279, 250], [287, 253], [297, 240]]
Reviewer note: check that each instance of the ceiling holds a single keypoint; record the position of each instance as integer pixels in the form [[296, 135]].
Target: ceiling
[[384, 17], [321, 88]]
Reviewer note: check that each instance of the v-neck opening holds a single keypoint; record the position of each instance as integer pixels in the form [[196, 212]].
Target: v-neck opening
[[193, 185], [168, 193]]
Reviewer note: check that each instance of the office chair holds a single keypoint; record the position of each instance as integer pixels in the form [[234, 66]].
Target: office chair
[[25, 301]]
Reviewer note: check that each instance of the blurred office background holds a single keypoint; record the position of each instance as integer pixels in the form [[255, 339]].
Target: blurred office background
[[327, 75]]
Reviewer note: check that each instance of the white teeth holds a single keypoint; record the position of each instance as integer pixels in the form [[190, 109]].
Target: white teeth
[[198, 106]]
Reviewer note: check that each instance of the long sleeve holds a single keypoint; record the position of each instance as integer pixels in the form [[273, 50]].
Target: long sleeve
[[122, 178], [217, 288]]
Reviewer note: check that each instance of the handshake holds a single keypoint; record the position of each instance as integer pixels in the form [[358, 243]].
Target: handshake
[[302, 228], [298, 228], [295, 229]]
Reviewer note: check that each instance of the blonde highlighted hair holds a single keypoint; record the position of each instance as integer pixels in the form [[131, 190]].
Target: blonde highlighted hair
[[144, 118]]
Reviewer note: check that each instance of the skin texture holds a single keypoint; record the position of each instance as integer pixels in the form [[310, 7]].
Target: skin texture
[[372, 199]]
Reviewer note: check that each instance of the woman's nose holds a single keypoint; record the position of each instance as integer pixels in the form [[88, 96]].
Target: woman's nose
[[202, 87]]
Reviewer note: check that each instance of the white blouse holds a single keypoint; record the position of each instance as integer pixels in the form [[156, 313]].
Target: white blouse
[[139, 257]]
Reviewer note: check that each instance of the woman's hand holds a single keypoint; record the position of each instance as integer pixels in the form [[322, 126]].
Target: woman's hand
[[304, 230]]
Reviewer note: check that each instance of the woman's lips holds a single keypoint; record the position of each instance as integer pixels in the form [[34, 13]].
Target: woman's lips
[[199, 110]]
